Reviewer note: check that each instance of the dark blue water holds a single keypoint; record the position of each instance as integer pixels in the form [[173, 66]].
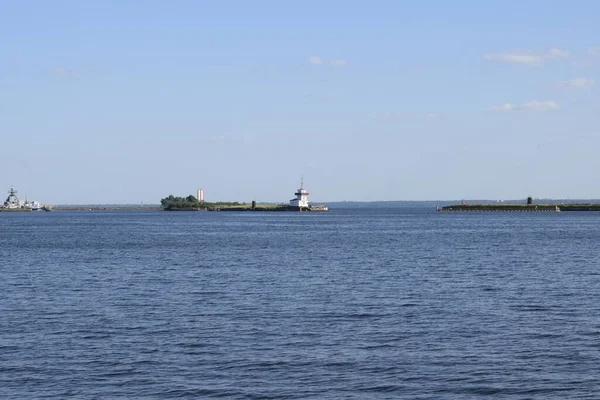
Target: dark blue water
[[362, 303]]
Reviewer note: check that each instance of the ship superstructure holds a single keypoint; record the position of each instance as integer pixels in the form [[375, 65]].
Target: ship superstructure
[[12, 201]]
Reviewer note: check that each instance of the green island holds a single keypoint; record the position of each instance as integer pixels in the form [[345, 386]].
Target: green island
[[191, 203]]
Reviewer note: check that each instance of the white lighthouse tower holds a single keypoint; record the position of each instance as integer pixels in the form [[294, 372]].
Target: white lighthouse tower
[[301, 200]]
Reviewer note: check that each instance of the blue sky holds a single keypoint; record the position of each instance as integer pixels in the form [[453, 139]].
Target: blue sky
[[129, 101]]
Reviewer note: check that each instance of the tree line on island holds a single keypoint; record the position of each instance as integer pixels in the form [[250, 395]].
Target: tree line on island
[[172, 203]]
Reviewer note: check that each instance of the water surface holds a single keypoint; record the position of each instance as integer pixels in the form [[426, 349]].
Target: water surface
[[400, 303]]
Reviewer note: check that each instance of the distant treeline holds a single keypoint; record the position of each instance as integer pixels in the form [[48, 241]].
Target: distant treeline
[[174, 203]]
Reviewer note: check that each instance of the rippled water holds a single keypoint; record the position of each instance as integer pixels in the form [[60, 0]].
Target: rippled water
[[361, 303]]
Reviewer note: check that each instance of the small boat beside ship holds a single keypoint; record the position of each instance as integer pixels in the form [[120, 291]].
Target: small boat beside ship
[[33, 205]]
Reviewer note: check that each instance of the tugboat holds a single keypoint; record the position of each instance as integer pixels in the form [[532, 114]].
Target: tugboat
[[33, 205]]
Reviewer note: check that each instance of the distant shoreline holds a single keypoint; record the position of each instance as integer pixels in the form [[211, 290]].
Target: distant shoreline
[[107, 208], [522, 207], [160, 208], [344, 204]]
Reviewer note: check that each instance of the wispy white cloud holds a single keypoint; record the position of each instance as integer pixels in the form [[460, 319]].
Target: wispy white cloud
[[337, 63], [557, 53], [525, 57], [504, 107], [527, 106], [432, 115], [66, 73], [594, 51], [540, 105], [519, 58], [316, 60], [577, 83]]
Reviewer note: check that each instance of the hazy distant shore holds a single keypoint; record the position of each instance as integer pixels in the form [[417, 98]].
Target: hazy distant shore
[[333, 204], [107, 207]]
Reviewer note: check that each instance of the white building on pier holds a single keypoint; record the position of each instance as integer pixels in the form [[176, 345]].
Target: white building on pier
[[301, 200]]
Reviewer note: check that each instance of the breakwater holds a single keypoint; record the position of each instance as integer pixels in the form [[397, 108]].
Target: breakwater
[[217, 207], [107, 207], [270, 208], [521, 207]]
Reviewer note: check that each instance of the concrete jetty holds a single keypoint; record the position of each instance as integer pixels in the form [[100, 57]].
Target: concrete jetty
[[520, 207]]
